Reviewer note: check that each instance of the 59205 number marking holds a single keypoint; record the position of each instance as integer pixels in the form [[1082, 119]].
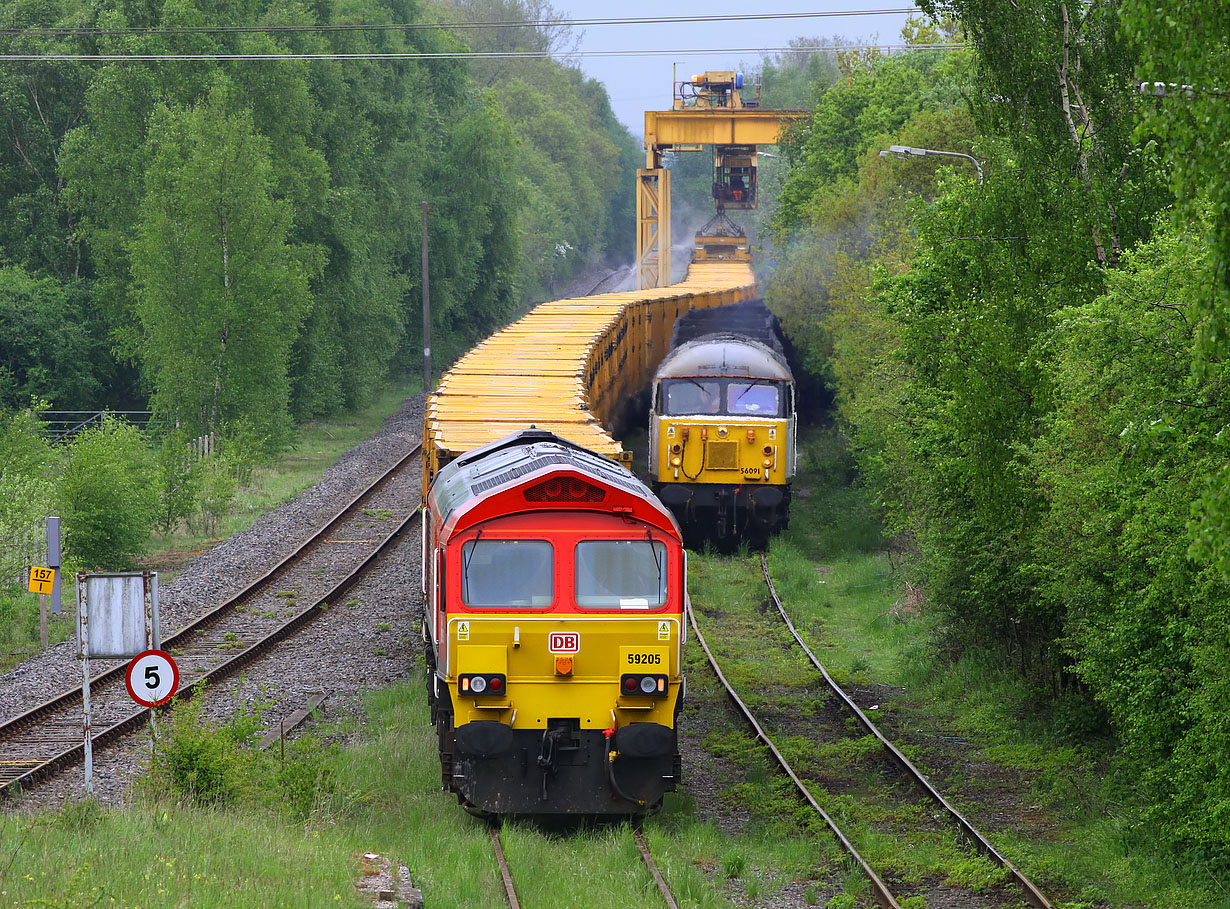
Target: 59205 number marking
[[644, 659]]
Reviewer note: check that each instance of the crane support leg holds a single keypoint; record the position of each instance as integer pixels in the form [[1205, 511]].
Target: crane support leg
[[653, 227]]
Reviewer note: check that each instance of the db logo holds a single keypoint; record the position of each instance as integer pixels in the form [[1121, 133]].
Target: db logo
[[564, 642]]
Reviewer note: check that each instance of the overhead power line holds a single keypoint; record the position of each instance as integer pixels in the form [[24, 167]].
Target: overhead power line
[[459, 55], [419, 26]]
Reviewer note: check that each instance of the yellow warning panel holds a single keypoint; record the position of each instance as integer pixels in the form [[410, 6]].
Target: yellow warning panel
[[42, 580]]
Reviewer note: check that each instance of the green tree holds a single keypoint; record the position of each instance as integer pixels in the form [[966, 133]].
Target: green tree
[[1186, 45], [108, 495], [50, 345], [1134, 438], [220, 291]]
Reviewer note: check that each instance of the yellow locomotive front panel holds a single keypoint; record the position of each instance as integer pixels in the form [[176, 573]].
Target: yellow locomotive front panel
[[564, 666], [722, 427], [700, 450]]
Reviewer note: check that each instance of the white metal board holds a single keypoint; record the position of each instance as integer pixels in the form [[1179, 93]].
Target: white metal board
[[113, 611]]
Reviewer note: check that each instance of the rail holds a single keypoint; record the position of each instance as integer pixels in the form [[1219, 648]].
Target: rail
[[879, 889], [647, 858], [1032, 893], [510, 891], [13, 779]]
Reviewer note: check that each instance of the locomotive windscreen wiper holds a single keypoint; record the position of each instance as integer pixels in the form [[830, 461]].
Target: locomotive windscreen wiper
[[467, 557], [656, 564]]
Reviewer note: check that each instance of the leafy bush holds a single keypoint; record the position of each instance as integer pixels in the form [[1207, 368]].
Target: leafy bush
[[198, 759], [178, 482], [212, 763], [217, 485], [109, 496], [305, 780], [27, 486]]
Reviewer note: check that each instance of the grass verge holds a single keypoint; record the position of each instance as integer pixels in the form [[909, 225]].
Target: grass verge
[[241, 828], [320, 444]]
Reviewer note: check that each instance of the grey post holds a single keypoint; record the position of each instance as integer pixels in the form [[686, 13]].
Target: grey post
[[83, 638], [427, 373], [53, 561]]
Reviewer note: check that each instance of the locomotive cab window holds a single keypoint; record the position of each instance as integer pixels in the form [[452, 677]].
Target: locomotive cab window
[[507, 573], [690, 396], [760, 399], [620, 574]]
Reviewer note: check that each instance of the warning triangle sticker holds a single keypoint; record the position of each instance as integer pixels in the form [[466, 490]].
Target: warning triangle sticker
[[664, 631], [463, 631]]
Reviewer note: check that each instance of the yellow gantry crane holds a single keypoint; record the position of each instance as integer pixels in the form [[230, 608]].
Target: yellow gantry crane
[[713, 108]]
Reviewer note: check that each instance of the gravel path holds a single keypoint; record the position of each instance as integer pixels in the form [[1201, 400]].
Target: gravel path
[[346, 651]]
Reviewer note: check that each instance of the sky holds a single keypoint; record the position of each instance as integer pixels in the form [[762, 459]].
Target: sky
[[637, 84]]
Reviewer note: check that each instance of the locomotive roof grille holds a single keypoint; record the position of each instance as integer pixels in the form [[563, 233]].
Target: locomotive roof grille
[[724, 354], [519, 470], [520, 455]]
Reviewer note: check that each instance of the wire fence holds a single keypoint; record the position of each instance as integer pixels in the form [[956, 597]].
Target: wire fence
[[26, 547], [62, 425]]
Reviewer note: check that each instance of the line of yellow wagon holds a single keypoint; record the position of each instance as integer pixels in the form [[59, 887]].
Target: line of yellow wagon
[[569, 366]]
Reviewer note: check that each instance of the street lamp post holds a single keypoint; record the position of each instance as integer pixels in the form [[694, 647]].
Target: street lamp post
[[902, 151]]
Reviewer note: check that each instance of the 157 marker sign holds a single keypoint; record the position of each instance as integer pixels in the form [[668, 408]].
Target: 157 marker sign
[[152, 678], [42, 580]]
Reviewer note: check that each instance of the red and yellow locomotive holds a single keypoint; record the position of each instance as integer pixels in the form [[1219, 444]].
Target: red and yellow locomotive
[[555, 591]]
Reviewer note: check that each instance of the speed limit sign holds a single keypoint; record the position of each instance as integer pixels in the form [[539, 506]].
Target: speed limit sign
[[152, 678]]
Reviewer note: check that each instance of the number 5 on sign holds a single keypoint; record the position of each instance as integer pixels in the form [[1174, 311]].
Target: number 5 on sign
[[42, 580], [153, 678]]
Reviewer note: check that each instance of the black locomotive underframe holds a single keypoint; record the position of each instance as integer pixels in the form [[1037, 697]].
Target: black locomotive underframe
[[726, 510], [558, 770]]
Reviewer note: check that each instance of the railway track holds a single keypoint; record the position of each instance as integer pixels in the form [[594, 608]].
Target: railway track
[[510, 890], [880, 890], [43, 741]]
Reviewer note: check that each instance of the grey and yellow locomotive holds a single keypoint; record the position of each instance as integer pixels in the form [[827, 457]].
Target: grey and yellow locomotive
[[723, 425]]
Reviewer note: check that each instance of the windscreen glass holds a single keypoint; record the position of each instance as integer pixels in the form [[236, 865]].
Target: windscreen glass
[[620, 574], [689, 396], [507, 573], [761, 399]]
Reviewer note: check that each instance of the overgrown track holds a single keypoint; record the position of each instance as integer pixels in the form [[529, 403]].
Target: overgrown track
[[647, 858], [40, 743], [878, 888], [968, 831], [510, 891]]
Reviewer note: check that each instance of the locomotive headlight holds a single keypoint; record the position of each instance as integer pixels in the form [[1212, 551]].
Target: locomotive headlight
[[767, 462], [675, 462], [489, 684], [635, 683]]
